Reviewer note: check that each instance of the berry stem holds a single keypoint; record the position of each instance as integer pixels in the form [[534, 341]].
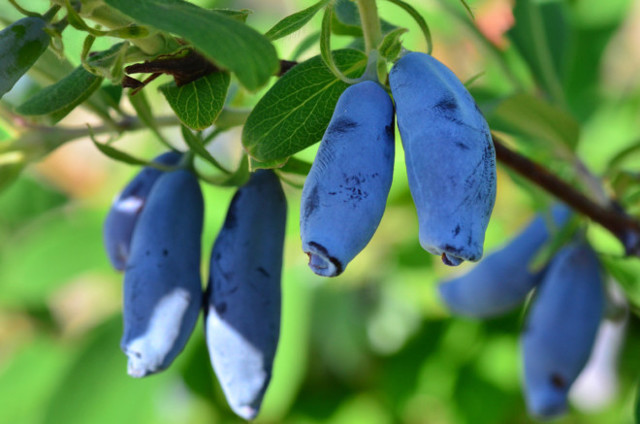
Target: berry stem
[[370, 21]]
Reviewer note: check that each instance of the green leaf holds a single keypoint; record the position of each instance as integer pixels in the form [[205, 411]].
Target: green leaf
[[121, 156], [255, 164], [21, 44], [294, 22], [11, 165], [236, 179], [346, 20], [626, 271], [198, 103], [296, 166], [143, 110], [295, 112], [542, 36], [102, 63], [59, 99], [229, 43], [391, 45], [527, 115], [114, 396], [308, 42], [196, 146]]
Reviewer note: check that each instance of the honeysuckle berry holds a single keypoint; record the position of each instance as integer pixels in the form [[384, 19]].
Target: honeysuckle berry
[[126, 208], [449, 156], [345, 193], [162, 283], [242, 323], [561, 328], [503, 279]]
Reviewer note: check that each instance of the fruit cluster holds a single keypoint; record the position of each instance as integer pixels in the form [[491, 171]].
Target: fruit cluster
[[450, 163], [153, 233], [564, 316]]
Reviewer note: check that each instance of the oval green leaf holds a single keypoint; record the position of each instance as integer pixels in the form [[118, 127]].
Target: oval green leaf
[[294, 22], [59, 99], [295, 112], [21, 44], [198, 103], [229, 43]]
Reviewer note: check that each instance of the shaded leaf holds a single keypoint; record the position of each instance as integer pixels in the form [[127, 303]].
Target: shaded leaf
[[239, 177], [294, 22], [196, 146], [117, 397], [527, 115], [346, 20], [295, 112], [222, 39], [21, 44], [59, 99], [10, 169], [296, 166], [125, 157], [308, 42], [143, 110], [198, 103], [391, 45], [542, 36]]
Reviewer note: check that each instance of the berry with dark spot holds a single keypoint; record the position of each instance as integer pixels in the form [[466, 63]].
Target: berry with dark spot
[[449, 156], [502, 280], [345, 193], [561, 328], [242, 310], [163, 292]]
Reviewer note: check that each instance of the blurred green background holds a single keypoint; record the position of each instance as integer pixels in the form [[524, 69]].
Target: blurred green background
[[372, 346]]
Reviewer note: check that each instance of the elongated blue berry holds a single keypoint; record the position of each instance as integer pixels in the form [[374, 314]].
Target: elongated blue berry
[[449, 156], [242, 322], [502, 280], [162, 284], [561, 328], [126, 208], [346, 191]]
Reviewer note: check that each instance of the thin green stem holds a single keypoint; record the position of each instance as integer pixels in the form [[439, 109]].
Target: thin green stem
[[22, 10], [424, 27], [370, 22], [325, 47]]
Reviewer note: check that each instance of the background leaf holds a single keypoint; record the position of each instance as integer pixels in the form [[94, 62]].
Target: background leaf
[[59, 99], [21, 44], [524, 114], [224, 40], [542, 36], [295, 112], [294, 22], [198, 103]]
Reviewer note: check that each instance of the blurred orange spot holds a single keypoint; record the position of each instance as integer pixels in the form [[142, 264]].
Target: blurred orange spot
[[494, 18]]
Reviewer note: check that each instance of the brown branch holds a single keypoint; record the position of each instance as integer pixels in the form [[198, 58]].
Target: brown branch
[[623, 226]]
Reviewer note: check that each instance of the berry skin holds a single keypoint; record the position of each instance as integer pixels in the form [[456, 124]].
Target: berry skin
[[346, 191], [242, 311], [502, 280], [162, 284], [449, 156], [560, 329], [126, 208]]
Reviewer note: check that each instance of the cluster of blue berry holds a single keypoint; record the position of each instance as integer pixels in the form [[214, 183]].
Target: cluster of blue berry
[[563, 319], [153, 233], [450, 163]]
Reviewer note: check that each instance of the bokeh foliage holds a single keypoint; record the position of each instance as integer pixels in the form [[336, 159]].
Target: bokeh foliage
[[373, 345]]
